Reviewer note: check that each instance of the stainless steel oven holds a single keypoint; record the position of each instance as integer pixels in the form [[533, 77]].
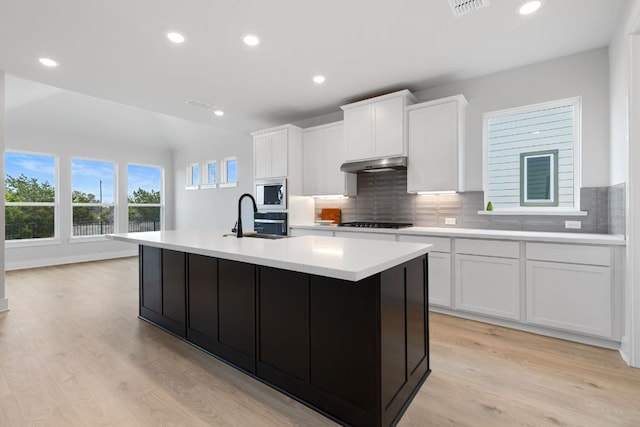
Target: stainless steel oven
[[270, 223], [271, 194]]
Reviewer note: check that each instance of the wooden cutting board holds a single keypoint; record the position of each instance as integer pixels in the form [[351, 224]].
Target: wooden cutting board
[[334, 214]]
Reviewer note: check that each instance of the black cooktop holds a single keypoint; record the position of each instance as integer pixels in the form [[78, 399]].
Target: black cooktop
[[373, 224]]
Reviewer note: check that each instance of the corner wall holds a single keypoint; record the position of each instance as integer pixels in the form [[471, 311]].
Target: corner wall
[[4, 302]]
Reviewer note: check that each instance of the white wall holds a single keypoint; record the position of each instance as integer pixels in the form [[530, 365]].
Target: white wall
[[217, 208], [584, 74], [625, 149], [4, 303], [67, 146]]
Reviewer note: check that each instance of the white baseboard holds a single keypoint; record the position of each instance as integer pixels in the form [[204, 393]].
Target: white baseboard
[[45, 262], [4, 304], [567, 336]]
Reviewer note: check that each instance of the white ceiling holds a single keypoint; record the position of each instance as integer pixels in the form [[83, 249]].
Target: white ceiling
[[116, 50]]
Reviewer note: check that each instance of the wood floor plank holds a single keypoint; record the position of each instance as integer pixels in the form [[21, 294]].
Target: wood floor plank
[[73, 352]]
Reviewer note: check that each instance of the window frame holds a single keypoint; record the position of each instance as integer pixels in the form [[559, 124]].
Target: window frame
[[113, 205], [161, 205], [223, 173], [189, 184], [43, 241], [553, 187], [205, 176], [576, 102]]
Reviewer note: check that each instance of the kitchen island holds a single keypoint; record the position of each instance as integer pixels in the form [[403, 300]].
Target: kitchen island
[[340, 325]]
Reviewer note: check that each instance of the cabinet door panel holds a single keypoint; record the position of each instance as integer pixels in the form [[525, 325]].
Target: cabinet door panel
[[393, 348], [335, 155], [433, 148], [313, 162], [203, 295], [262, 156], [488, 285], [440, 279], [236, 305], [284, 321], [173, 285], [569, 296], [365, 235], [416, 314], [358, 124], [151, 278], [279, 154], [389, 125]]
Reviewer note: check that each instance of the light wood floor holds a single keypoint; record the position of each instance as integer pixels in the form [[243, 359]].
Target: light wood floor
[[73, 352]]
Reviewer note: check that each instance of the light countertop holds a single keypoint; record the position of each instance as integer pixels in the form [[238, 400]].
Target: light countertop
[[340, 258], [533, 236]]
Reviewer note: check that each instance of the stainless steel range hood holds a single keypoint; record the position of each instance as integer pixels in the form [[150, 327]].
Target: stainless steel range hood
[[377, 165]]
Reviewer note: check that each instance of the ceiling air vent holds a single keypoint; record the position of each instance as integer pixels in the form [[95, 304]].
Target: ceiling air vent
[[200, 104], [462, 7]]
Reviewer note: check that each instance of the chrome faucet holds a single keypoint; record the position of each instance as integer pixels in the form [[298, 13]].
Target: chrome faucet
[[255, 209]]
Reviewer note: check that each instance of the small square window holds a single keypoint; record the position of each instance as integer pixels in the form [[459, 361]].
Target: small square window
[[210, 174], [539, 178]]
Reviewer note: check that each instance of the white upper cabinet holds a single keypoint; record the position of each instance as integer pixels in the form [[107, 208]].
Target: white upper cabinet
[[277, 153], [375, 127], [436, 145], [323, 153]]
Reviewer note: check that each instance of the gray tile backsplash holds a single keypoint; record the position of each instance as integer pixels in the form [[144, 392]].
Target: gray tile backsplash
[[383, 197]]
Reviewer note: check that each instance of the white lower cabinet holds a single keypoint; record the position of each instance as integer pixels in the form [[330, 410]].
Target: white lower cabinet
[[570, 287], [488, 285]]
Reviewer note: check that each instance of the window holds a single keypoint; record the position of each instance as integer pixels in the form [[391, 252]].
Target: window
[[30, 196], [144, 194], [532, 158], [210, 174], [539, 178], [193, 177], [92, 197], [229, 172]]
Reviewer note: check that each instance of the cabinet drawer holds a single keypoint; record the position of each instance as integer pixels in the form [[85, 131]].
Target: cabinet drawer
[[440, 244], [575, 254], [496, 248]]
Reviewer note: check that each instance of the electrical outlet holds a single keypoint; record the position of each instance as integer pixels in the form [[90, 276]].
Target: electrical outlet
[[573, 224], [450, 221]]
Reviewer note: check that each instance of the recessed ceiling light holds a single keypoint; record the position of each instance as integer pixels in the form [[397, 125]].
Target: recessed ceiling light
[[175, 37], [48, 62], [250, 40], [319, 79], [530, 7], [218, 113]]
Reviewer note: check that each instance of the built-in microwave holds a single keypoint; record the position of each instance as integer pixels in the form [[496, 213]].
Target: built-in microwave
[[271, 194]]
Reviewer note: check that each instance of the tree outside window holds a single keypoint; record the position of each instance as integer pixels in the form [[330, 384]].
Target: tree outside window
[[92, 197], [144, 197], [30, 196]]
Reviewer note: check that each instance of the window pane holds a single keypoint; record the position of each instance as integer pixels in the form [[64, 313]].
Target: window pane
[[144, 184], [29, 222], [144, 219], [29, 177], [195, 175], [538, 178], [92, 220], [232, 173], [92, 181], [212, 173]]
